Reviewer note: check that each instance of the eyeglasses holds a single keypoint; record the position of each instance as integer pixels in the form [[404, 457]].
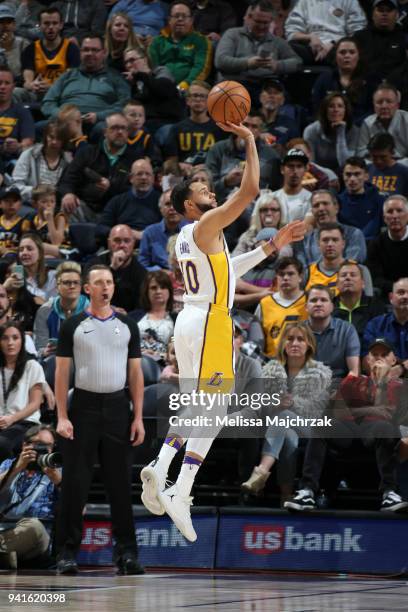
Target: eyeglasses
[[70, 283], [131, 60], [264, 210]]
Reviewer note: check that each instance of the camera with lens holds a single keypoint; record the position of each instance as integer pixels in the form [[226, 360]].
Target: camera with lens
[[44, 458]]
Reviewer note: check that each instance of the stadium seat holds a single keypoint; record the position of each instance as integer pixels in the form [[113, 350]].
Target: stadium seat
[[83, 237]]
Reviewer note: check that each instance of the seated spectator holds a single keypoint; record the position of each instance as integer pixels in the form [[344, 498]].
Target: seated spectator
[[294, 199], [50, 227], [324, 208], [27, 496], [349, 78], [148, 18], [175, 275], [266, 213], [97, 173], [185, 52], [286, 304], [21, 304], [127, 272], [324, 271], [38, 279], [12, 45], [263, 273], [389, 176], [137, 207], [155, 88], [314, 28], [251, 54], [70, 128], [333, 137], [277, 123], [213, 17], [27, 19], [68, 302], [338, 345], [140, 141], [387, 118], [22, 383], [81, 17], [201, 174], [361, 204], [315, 177], [383, 41], [12, 224], [351, 303], [198, 132], [16, 123], [303, 385], [106, 90], [226, 160], [156, 326], [170, 372], [388, 253], [392, 326], [119, 35], [41, 163], [46, 59], [153, 246], [364, 409]]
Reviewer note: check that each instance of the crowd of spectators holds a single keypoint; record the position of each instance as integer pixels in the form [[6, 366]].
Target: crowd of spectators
[[103, 109]]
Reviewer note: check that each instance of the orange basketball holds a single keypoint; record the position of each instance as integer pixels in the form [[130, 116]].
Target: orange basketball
[[229, 101]]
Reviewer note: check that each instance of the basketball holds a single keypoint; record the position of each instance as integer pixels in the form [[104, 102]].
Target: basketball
[[228, 101]]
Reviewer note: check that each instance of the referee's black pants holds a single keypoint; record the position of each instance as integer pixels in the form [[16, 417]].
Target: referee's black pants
[[101, 429]]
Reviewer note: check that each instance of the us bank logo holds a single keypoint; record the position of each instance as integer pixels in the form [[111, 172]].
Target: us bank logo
[[268, 539]]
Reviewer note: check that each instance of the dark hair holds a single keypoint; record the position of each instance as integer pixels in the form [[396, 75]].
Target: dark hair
[[50, 10], [53, 125], [163, 280], [36, 429], [95, 267], [350, 262], [42, 273], [320, 287], [327, 192], [22, 356], [329, 227], [359, 162], [323, 108], [263, 5], [93, 35], [181, 192], [5, 68], [185, 2], [388, 87], [289, 261], [380, 142]]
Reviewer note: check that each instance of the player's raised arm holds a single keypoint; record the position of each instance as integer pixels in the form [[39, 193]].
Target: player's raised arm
[[215, 220]]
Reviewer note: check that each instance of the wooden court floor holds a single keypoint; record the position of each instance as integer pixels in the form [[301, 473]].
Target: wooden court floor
[[169, 591]]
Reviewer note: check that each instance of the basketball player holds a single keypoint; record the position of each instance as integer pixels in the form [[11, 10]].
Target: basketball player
[[204, 328]]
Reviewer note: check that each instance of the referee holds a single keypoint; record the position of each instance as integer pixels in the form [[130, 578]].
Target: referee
[[104, 346]]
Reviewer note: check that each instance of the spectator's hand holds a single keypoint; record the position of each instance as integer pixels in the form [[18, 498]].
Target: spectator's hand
[[128, 75], [213, 36], [89, 118], [49, 349], [11, 145], [324, 51], [65, 429], [54, 474], [257, 61], [380, 370], [138, 234], [286, 401], [315, 44], [234, 177], [13, 282], [103, 184], [137, 432], [27, 455], [74, 40], [48, 212], [118, 259], [6, 421], [69, 203]]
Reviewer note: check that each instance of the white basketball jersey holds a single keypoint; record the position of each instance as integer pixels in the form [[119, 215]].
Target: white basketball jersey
[[208, 279]]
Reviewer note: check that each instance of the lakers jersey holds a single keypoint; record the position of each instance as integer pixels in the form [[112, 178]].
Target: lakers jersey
[[318, 277], [275, 317], [208, 279]]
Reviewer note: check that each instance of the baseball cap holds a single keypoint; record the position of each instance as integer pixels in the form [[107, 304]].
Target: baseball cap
[[295, 155], [393, 2], [266, 234], [273, 84], [6, 12], [382, 342], [10, 192]]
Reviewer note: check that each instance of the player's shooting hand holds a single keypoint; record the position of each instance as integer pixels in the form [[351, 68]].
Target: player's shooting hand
[[236, 128]]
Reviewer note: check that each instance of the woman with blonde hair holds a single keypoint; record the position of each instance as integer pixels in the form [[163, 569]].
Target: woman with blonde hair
[[303, 385], [119, 35]]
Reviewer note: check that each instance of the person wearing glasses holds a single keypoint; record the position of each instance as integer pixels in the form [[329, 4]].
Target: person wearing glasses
[[68, 302]]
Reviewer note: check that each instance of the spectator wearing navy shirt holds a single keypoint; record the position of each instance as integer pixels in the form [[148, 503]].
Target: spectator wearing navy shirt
[[277, 123], [390, 177]]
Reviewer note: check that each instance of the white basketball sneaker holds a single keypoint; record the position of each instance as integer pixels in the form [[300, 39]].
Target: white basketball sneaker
[[178, 509], [154, 481]]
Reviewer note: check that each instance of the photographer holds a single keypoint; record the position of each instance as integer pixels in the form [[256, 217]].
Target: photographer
[[27, 494]]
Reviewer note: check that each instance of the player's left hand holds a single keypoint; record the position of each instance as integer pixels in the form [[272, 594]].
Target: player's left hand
[[292, 232], [137, 432]]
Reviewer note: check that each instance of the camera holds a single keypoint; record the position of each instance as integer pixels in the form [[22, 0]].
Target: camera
[[44, 459]]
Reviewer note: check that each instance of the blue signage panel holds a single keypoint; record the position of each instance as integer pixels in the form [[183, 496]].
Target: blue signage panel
[[312, 543]]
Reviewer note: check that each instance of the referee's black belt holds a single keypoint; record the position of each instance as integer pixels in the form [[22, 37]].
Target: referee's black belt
[[93, 395]]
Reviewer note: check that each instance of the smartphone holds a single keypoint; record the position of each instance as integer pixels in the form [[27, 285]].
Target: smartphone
[[52, 342], [264, 53], [19, 270], [92, 175]]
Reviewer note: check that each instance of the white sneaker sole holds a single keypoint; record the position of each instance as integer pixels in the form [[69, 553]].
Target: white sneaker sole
[[190, 536], [396, 507], [151, 489]]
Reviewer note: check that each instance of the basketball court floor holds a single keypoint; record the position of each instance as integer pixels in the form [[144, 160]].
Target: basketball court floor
[[171, 591]]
